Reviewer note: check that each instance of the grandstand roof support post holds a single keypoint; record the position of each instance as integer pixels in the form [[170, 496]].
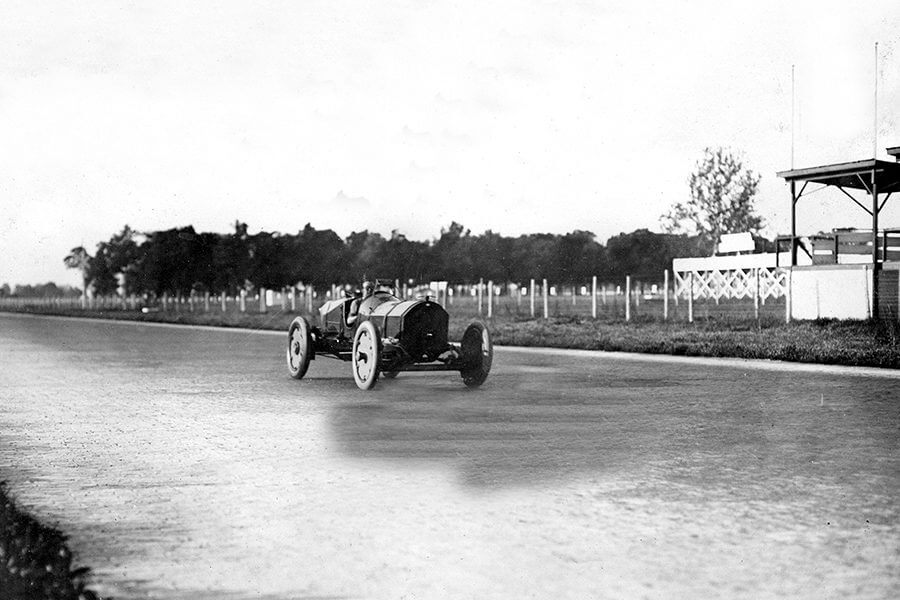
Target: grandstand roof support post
[[874, 219], [793, 223], [875, 265]]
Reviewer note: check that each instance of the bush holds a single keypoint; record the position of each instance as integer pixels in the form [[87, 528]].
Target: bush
[[35, 563]]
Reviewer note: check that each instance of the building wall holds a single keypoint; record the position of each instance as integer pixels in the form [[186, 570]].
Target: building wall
[[831, 292], [889, 292]]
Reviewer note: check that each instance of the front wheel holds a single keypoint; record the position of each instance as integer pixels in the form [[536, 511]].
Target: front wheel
[[477, 354], [366, 355], [299, 347]]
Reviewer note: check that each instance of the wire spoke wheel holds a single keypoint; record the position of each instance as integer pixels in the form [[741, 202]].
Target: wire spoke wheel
[[298, 348], [477, 354], [366, 355]]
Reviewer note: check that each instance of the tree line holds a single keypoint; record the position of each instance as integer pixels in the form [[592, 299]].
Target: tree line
[[182, 260], [41, 290]]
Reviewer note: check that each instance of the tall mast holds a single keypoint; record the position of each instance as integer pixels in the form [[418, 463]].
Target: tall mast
[[875, 110]]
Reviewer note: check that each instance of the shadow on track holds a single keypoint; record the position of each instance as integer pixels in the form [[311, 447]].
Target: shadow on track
[[525, 426]]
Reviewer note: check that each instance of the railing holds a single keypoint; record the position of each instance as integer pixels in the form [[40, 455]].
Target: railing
[[845, 247], [627, 299], [758, 284]]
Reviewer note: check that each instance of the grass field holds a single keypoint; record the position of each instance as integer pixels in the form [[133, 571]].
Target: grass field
[[727, 329]]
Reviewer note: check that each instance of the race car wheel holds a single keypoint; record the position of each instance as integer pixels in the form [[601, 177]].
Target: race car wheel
[[477, 354], [299, 347], [390, 374], [366, 355]]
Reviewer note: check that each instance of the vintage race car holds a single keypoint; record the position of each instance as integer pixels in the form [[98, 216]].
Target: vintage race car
[[390, 335]]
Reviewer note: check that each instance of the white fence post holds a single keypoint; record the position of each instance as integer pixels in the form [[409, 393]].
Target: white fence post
[[666, 295], [479, 292], [546, 293], [756, 293], [628, 297], [243, 301], [594, 297], [490, 299], [691, 297], [532, 298], [224, 302]]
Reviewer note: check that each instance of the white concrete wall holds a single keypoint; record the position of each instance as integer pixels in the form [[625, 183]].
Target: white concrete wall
[[832, 291]]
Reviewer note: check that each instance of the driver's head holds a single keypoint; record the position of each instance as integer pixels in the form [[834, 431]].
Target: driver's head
[[368, 288]]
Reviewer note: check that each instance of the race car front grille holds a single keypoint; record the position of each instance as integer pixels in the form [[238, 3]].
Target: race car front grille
[[424, 331]]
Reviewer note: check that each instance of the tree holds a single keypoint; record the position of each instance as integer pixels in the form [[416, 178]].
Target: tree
[[168, 262], [403, 259], [231, 260], [79, 258], [644, 254], [315, 256], [722, 195], [577, 256], [490, 252], [453, 254], [362, 249], [112, 261]]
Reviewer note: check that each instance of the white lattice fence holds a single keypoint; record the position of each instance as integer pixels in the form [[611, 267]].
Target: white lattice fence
[[731, 284]]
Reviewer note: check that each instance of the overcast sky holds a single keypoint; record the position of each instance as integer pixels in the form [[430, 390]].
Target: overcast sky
[[513, 116]]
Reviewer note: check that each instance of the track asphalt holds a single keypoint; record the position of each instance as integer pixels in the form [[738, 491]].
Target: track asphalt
[[185, 463]]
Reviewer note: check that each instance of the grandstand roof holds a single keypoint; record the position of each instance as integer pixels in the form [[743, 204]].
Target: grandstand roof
[[855, 175]]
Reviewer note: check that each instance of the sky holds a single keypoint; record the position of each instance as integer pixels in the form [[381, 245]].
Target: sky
[[518, 117]]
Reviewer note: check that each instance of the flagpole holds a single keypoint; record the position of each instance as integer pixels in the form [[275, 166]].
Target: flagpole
[[875, 128], [793, 124]]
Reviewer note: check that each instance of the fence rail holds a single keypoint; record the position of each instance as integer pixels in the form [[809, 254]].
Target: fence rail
[[738, 284], [845, 247], [739, 294]]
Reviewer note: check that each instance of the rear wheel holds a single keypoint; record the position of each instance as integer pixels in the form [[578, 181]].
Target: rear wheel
[[299, 347], [390, 374], [366, 355], [477, 354]]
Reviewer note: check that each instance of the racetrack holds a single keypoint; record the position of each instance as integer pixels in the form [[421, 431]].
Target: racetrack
[[185, 463]]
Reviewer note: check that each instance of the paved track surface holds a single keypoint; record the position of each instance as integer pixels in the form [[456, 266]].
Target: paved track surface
[[184, 463]]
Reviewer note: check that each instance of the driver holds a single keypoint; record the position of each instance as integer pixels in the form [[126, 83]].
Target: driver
[[368, 288]]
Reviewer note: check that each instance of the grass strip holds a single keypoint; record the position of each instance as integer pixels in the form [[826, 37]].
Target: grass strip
[[35, 563], [869, 343]]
